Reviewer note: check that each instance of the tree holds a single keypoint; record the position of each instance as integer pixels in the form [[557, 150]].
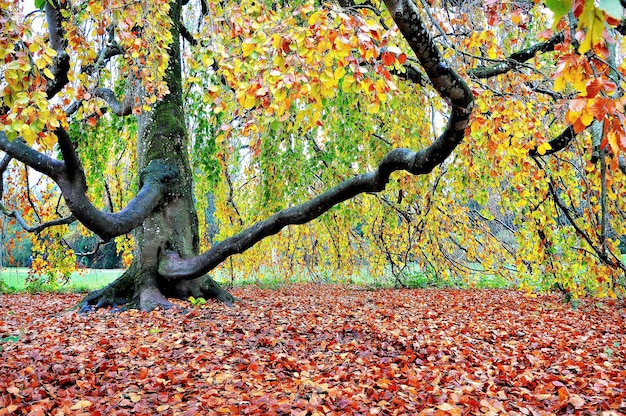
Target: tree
[[307, 93]]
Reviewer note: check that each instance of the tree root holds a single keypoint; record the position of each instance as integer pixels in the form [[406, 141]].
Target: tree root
[[132, 290]]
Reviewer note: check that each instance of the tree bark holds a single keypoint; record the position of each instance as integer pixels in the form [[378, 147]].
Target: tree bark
[[173, 224], [166, 259]]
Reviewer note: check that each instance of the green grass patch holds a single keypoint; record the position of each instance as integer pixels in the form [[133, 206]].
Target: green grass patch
[[17, 279]]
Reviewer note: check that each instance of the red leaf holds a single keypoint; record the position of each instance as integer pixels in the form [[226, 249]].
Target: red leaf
[[388, 58]]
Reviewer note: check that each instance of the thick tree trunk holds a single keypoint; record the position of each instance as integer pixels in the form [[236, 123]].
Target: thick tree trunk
[[167, 262], [173, 225]]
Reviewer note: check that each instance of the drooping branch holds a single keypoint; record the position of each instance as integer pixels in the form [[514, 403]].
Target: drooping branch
[[447, 83], [39, 227], [516, 58], [111, 49], [616, 262]]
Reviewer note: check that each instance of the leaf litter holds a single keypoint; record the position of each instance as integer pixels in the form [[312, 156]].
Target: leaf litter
[[317, 350]]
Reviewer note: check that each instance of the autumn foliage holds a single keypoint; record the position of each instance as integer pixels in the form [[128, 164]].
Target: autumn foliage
[[312, 350], [283, 101]]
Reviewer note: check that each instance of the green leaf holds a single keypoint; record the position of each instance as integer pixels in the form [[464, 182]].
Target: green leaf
[[612, 7], [560, 8], [40, 4]]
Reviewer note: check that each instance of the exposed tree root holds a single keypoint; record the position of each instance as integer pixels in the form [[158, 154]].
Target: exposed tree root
[[137, 290]]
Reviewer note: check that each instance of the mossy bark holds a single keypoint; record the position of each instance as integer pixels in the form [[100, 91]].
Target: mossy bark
[[173, 225]]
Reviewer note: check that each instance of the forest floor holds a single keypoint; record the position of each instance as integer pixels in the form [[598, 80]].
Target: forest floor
[[317, 349]]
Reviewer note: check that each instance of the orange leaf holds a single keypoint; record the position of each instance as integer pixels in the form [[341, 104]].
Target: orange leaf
[[388, 58]]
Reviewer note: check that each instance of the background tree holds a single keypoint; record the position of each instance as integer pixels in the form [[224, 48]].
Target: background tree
[[263, 106]]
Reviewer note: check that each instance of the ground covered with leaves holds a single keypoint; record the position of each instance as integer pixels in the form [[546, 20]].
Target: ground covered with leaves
[[309, 349]]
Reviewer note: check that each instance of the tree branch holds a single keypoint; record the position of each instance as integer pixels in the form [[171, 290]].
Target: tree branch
[[39, 227], [73, 166], [108, 225], [124, 108], [61, 62], [25, 154], [447, 83], [516, 58], [560, 142], [111, 49], [186, 34], [71, 181]]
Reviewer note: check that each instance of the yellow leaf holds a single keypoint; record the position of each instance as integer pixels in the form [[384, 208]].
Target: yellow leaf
[[81, 404], [249, 101], [593, 20], [543, 148], [247, 49], [28, 134], [40, 62], [48, 74], [207, 60], [587, 117], [339, 73]]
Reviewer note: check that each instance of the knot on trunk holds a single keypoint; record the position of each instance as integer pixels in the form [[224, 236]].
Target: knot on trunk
[[158, 172]]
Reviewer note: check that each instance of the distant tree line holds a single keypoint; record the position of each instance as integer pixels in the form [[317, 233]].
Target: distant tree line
[[18, 252]]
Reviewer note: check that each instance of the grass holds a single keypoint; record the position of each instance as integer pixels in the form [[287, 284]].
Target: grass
[[15, 279]]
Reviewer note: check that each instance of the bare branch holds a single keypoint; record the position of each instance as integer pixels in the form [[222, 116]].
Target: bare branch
[[186, 34], [25, 154]]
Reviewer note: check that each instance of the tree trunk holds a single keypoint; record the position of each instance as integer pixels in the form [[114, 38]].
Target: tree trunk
[[173, 225]]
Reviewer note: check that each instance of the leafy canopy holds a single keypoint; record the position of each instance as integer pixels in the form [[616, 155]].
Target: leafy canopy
[[285, 99]]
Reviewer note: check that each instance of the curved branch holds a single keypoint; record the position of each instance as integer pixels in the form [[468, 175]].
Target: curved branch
[[71, 181], [516, 58], [108, 225], [447, 83], [39, 227]]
